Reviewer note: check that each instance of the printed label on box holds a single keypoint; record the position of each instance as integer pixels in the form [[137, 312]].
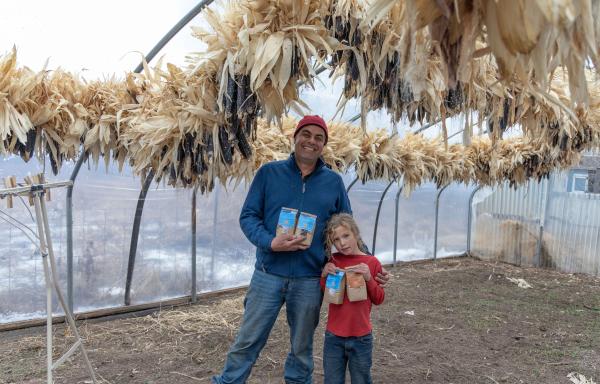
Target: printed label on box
[[287, 221], [335, 287], [334, 281], [306, 227], [356, 287]]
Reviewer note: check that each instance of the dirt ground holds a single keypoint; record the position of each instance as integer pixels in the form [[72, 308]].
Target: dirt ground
[[452, 321]]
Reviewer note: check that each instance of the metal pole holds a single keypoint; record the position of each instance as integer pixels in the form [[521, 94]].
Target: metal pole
[[396, 223], [135, 234], [69, 204], [351, 184], [354, 118], [140, 206], [424, 127], [538, 251], [193, 293], [462, 130], [437, 211], [379, 211], [70, 321], [216, 191], [470, 218], [169, 35], [48, 277]]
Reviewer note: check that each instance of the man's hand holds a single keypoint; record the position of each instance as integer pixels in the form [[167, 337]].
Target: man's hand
[[383, 278], [284, 242], [329, 268]]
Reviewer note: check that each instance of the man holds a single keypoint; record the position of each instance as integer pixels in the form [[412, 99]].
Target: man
[[286, 270]]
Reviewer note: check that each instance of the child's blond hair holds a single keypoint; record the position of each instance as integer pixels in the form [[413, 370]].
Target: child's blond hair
[[341, 219]]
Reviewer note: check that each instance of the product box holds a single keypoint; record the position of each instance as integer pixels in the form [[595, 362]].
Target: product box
[[356, 286], [287, 221], [306, 227], [334, 288]]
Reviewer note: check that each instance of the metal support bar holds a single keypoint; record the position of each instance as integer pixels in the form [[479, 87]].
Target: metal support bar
[[470, 218], [378, 212], [396, 223], [193, 292], [140, 205], [135, 234], [69, 206], [213, 252], [538, 251], [27, 189], [160, 45], [354, 118], [437, 211], [40, 203], [169, 35], [462, 130], [48, 280], [36, 193], [68, 354], [429, 125], [351, 184]]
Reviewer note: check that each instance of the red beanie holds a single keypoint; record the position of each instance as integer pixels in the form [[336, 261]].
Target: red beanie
[[312, 120]]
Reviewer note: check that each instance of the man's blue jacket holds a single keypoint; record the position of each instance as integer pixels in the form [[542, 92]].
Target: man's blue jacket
[[280, 184]]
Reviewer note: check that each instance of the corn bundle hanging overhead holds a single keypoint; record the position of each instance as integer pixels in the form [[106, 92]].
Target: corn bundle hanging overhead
[[153, 119], [17, 132], [273, 142], [174, 131], [344, 146], [418, 160], [422, 60], [376, 69], [528, 40], [257, 53], [396, 64]]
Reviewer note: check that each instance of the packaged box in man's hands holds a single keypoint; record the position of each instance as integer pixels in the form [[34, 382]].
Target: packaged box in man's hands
[[334, 288], [306, 227], [287, 221]]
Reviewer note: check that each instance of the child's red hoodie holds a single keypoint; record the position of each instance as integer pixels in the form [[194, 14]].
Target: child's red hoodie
[[353, 318]]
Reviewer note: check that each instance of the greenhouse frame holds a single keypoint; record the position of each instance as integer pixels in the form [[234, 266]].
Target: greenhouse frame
[[511, 213]]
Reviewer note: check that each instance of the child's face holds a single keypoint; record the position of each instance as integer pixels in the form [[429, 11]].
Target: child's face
[[345, 241]]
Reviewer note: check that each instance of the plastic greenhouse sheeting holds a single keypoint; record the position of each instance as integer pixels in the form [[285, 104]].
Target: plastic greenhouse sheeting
[[416, 220], [104, 203]]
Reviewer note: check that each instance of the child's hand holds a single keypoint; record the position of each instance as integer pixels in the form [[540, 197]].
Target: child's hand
[[363, 269], [328, 268]]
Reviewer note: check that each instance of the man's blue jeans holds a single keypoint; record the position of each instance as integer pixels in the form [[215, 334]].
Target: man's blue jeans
[[354, 352], [266, 294]]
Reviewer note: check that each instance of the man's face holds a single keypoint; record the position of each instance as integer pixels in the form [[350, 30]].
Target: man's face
[[309, 143]]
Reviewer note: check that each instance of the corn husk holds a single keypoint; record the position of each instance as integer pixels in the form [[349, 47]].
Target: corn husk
[[223, 115]]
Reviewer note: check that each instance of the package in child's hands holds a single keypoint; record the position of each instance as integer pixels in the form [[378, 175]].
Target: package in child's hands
[[287, 221], [356, 286], [334, 288], [306, 227]]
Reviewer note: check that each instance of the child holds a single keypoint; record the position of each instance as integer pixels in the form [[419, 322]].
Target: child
[[348, 339]]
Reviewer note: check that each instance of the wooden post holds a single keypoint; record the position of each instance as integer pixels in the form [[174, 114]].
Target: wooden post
[[10, 182], [28, 180]]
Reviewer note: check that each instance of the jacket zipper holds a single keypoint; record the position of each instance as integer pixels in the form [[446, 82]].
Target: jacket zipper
[[303, 179], [292, 264]]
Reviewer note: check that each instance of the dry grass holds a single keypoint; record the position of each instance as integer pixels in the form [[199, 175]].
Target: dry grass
[[456, 320]]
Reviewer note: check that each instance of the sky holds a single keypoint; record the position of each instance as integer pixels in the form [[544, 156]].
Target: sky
[[100, 39], [92, 37]]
